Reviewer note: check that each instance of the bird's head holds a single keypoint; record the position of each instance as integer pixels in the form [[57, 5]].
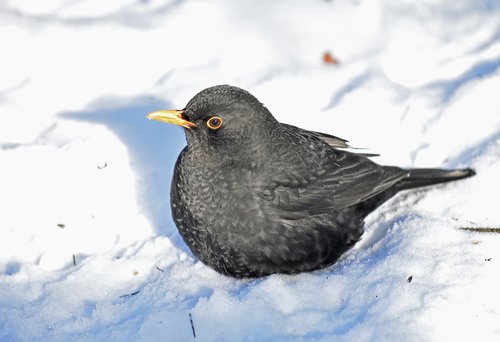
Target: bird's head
[[222, 119]]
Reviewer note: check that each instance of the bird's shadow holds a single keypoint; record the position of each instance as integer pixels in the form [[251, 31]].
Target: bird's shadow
[[152, 148]]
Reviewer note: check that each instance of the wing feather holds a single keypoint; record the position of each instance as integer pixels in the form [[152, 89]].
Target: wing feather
[[340, 180]]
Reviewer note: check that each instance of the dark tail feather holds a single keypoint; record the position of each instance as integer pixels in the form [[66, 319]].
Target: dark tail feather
[[416, 179], [424, 177]]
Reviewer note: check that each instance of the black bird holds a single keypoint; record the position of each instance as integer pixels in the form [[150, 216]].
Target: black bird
[[252, 196]]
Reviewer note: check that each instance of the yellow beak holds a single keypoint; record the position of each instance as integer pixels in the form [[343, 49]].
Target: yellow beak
[[174, 116]]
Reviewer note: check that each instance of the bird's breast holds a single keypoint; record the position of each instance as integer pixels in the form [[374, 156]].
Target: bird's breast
[[213, 199]]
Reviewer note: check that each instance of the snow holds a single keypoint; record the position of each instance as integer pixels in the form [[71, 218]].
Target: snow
[[88, 249]]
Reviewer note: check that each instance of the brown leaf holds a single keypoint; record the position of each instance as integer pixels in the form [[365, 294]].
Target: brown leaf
[[329, 59]]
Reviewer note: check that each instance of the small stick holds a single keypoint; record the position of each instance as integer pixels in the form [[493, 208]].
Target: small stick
[[482, 229], [74, 260], [130, 294], [192, 325]]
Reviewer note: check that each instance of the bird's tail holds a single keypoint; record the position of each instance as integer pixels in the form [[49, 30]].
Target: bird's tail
[[424, 177], [416, 178]]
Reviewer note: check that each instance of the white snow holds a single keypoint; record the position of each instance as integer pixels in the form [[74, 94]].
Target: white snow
[[84, 178]]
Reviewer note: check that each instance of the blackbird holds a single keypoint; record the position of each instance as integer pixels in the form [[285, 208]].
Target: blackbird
[[252, 196]]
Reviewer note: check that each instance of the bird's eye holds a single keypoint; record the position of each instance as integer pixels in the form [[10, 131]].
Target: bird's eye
[[214, 122]]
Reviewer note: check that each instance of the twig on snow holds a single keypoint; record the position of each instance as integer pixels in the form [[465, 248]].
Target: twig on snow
[[192, 325]]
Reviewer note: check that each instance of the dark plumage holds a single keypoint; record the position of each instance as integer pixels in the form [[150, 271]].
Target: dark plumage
[[255, 196]]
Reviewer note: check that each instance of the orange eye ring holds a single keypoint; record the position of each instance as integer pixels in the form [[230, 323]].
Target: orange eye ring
[[214, 122]]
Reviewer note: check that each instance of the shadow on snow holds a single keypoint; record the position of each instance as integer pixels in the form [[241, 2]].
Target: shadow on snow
[[152, 147]]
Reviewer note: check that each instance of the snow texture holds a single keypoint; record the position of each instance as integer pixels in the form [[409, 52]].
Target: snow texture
[[88, 249]]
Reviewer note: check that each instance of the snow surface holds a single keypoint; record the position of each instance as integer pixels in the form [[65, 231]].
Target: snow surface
[[85, 220]]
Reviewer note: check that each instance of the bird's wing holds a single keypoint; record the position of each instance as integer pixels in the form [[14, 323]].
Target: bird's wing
[[333, 141], [341, 179]]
